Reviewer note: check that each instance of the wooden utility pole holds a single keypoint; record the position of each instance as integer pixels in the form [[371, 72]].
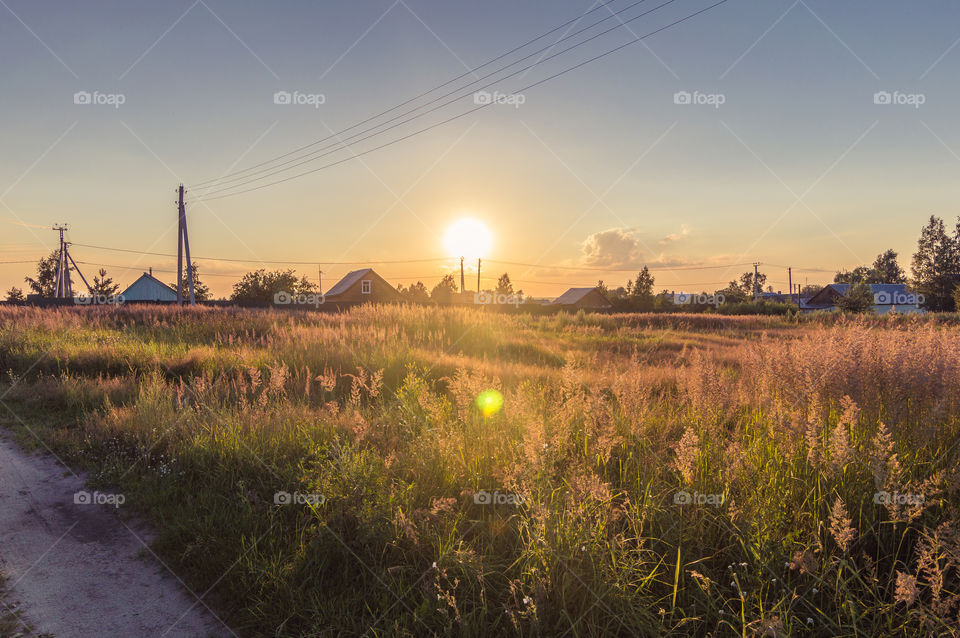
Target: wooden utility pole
[[183, 245], [463, 287], [320, 278], [478, 274], [756, 281], [790, 282]]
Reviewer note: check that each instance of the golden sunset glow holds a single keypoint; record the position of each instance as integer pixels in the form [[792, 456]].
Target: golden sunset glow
[[468, 238]]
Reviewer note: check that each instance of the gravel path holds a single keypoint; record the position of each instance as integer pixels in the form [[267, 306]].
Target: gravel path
[[79, 570]]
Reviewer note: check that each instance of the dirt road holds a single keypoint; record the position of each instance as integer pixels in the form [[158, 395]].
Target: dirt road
[[79, 570]]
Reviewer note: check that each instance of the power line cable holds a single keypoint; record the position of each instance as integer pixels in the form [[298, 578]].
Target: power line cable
[[603, 5], [207, 196]]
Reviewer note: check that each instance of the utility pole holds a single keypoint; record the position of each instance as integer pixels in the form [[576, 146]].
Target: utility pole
[[462, 286], [790, 282], [320, 278], [183, 245], [478, 274], [62, 281], [756, 282]]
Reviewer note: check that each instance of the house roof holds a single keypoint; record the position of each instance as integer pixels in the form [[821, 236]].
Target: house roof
[[825, 298], [574, 295], [348, 280], [150, 277]]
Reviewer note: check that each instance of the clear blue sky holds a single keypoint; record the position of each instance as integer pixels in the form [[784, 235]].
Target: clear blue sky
[[599, 168]]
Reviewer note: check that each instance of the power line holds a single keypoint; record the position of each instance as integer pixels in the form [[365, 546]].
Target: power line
[[603, 5], [272, 261], [341, 144], [455, 117]]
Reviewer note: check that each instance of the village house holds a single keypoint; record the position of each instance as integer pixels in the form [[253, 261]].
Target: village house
[[587, 298], [362, 286], [149, 288], [886, 298]]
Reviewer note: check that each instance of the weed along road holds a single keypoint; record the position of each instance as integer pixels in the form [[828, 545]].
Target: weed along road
[[75, 568]]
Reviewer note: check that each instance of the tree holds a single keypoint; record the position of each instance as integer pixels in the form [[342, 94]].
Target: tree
[[260, 286], [859, 298], [445, 289], [935, 265], [504, 287], [103, 286], [15, 295], [46, 282], [887, 270], [743, 289], [201, 292], [641, 291], [416, 292], [859, 275]]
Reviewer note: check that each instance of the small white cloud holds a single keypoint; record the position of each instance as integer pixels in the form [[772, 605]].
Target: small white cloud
[[615, 248]]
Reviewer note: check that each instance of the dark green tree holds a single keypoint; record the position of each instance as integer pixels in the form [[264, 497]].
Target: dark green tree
[[887, 269], [260, 286], [859, 298], [201, 292], [935, 266], [46, 282], [103, 285], [445, 290], [416, 292], [504, 287], [15, 295], [641, 291]]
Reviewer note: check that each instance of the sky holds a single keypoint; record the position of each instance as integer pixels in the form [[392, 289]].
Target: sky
[[812, 133]]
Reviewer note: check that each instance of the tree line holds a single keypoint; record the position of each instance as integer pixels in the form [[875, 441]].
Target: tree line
[[935, 273]]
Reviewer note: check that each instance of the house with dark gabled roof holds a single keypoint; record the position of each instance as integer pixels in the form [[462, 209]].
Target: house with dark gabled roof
[[886, 298], [589, 298], [362, 286]]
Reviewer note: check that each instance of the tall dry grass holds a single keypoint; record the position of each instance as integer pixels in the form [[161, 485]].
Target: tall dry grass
[[686, 474]]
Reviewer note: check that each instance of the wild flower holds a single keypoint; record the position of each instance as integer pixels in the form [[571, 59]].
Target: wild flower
[[907, 591], [841, 525], [687, 452]]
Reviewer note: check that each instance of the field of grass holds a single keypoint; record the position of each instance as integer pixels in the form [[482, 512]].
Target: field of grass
[[651, 475]]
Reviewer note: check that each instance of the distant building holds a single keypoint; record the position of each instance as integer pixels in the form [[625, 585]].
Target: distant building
[[575, 298], [361, 286], [149, 288], [886, 298]]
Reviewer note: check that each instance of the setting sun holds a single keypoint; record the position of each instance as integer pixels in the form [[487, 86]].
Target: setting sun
[[468, 238]]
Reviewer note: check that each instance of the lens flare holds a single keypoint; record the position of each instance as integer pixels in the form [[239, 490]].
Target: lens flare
[[489, 402]]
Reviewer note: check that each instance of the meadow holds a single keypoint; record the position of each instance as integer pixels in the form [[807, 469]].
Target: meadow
[[457, 472]]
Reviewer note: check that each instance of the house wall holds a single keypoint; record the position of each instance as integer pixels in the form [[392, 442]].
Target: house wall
[[146, 289], [380, 291], [593, 300]]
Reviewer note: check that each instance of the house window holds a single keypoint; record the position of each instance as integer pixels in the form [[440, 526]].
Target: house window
[[365, 286]]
